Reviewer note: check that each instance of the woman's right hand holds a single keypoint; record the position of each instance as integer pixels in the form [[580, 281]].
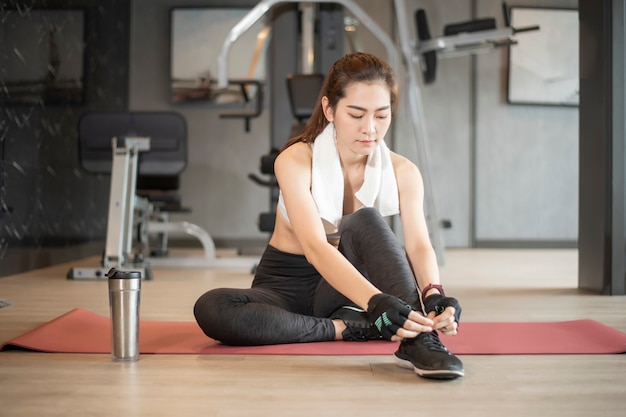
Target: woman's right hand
[[395, 319]]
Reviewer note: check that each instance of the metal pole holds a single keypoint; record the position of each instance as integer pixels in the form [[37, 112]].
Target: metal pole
[[308, 41], [418, 121], [263, 6]]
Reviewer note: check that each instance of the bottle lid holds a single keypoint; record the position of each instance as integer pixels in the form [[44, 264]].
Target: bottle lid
[[115, 274]]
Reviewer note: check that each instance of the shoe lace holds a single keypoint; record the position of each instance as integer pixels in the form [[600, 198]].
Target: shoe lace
[[360, 332], [432, 342]]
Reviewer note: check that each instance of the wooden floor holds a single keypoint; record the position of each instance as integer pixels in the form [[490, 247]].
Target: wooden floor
[[492, 285]]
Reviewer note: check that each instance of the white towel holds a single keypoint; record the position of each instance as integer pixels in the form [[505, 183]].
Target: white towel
[[379, 188]]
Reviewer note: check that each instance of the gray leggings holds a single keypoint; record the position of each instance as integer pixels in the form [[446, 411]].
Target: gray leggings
[[289, 301]]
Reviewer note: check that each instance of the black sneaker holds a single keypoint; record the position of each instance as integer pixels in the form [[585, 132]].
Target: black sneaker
[[428, 357], [358, 327]]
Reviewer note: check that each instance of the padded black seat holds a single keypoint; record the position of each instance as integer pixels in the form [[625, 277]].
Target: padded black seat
[[304, 90]]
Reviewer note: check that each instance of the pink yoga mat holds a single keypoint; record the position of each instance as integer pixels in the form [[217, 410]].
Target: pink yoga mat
[[82, 331]]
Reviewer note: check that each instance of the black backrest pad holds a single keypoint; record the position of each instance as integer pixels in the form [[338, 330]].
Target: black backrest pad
[[168, 141]]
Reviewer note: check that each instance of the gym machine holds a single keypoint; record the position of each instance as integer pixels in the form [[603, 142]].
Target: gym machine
[[306, 39], [461, 38], [122, 203], [466, 37], [414, 101], [133, 219]]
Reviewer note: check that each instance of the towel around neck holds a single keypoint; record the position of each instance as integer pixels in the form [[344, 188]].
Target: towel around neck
[[379, 188]]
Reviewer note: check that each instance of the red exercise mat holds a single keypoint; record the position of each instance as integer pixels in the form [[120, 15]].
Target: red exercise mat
[[82, 331]]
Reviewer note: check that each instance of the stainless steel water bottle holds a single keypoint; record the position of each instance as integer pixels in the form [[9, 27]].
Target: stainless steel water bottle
[[124, 297]]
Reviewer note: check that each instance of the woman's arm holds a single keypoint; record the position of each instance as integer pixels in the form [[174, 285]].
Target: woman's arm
[[293, 172], [417, 243], [416, 238]]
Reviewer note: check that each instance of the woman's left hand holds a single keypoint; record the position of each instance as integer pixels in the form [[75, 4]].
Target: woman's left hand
[[445, 322], [445, 312]]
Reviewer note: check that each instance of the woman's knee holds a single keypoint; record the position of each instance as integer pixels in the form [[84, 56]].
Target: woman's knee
[[366, 216], [367, 213], [211, 311]]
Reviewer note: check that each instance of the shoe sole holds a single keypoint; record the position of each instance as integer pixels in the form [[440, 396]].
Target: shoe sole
[[428, 373]]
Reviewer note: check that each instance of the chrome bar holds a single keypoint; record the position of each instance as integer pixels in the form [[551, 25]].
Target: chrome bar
[[258, 11]]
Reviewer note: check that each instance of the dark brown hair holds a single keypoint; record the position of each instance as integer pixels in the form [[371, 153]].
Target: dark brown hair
[[355, 67]]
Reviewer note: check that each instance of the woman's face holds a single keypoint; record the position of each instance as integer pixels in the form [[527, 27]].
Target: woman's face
[[362, 117]]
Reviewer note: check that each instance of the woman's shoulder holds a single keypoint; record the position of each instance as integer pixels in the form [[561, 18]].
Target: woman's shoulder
[[403, 165], [408, 176], [299, 153]]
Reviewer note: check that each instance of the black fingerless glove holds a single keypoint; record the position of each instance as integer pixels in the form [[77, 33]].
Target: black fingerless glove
[[387, 313], [438, 303]]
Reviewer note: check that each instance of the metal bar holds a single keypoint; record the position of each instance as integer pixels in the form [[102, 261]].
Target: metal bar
[[122, 199], [129, 213], [308, 41], [118, 201], [450, 43], [418, 121], [263, 6], [188, 229]]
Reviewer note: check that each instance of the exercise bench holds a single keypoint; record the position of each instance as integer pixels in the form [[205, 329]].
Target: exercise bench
[[131, 147]]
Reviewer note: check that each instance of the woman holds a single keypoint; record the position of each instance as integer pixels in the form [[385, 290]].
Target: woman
[[333, 269]]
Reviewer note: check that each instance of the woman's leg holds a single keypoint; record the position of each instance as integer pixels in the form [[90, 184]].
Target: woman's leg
[[370, 245], [368, 242], [254, 316], [277, 309]]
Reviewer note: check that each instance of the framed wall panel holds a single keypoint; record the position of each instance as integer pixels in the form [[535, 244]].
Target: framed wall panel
[[42, 56], [197, 35], [543, 65]]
